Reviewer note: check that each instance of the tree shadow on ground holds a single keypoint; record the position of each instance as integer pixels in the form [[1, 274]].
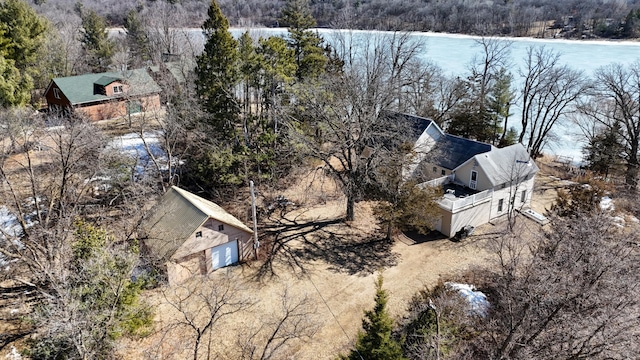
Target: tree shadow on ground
[[351, 255], [296, 243]]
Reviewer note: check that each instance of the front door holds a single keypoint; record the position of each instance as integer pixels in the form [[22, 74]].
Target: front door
[[474, 179]]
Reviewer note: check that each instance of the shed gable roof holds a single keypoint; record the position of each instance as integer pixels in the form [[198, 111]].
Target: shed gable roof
[[80, 89], [177, 216]]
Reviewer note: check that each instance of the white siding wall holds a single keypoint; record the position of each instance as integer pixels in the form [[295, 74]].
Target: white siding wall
[[507, 192], [424, 144]]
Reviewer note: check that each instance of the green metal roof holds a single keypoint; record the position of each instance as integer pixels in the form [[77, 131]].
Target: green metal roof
[[80, 89], [177, 216], [106, 80]]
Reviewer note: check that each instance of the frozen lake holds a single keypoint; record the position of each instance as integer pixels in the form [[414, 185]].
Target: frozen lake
[[453, 53]]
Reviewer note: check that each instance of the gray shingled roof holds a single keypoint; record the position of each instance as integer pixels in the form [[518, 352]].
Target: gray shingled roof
[[505, 164], [80, 89], [452, 151], [455, 150], [177, 216], [415, 124], [176, 69]]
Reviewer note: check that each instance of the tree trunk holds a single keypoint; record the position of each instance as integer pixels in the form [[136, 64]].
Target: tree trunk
[[351, 202], [631, 175]]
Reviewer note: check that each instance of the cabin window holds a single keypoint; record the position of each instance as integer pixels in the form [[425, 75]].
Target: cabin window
[[56, 93], [117, 89], [220, 227], [503, 186], [443, 172], [500, 205], [198, 234], [523, 198], [435, 169]]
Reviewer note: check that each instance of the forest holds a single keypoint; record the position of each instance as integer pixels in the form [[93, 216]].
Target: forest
[[536, 18], [293, 112]]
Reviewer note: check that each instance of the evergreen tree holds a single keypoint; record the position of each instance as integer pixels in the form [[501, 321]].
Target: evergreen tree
[[14, 87], [217, 73], [137, 37], [310, 56], [501, 97], [604, 152], [631, 26], [22, 34], [376, 342], [96, 44]]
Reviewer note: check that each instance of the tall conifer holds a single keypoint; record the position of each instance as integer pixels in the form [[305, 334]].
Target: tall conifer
[[217, 73]]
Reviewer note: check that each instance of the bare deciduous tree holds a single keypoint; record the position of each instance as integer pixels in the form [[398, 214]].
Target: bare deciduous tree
[[343, 114], [549, 92], [615, 107], [295, 319], [200, 305], [571, 294]]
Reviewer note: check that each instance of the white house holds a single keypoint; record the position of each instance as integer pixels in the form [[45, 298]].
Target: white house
[[480, 181]]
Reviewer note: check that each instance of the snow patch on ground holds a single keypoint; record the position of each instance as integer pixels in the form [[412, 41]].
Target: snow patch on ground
[[14, 354], [10, 226], [477, 300], [132, 145], [9, 223], [606, 203]]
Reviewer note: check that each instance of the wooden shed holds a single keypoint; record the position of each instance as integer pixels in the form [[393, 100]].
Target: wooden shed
[[191, 236]]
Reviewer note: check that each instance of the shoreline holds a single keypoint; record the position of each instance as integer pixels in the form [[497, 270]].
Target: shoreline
[[612, 42]]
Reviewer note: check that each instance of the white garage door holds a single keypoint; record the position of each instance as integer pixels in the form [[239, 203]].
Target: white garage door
[[224, 255]]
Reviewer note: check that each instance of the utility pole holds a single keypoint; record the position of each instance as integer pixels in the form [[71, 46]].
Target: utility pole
[[256, 242]]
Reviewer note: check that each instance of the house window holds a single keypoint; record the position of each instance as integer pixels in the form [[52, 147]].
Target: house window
[[443, 172], [435, 169], [199, 234], [56, 93], [523, 198], [474, 179], [503, 186], [220, 227], [500, 205], [117, 89]]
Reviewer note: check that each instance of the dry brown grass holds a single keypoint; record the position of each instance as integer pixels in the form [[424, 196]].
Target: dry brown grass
[[335, 266]]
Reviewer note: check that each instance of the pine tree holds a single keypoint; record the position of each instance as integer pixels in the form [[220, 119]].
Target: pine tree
[[217, 73], [310, 56], [22, 34], [501, 97], [137, 37], [376, 342], [604, 151], [95, 41]]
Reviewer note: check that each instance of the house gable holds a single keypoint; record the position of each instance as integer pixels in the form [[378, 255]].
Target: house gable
[[511, 164], [56, 97]]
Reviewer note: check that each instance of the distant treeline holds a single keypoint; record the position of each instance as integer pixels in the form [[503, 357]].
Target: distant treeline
[[538, 18]]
